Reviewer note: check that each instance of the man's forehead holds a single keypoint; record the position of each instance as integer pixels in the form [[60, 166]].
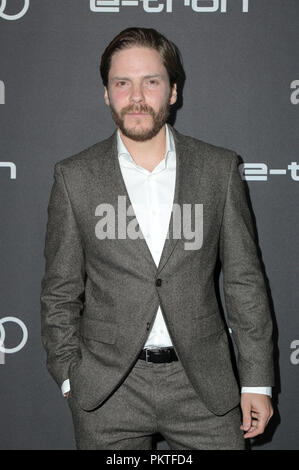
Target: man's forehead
[[128, 70], [137, 56]]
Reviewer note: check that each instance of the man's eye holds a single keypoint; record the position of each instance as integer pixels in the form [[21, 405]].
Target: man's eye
[[120, 83]]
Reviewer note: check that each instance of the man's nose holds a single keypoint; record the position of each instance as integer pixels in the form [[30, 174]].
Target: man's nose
[[137, 93]]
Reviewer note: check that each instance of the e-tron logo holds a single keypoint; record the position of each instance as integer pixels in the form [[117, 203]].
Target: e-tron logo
[[261, 171], [2, 335], [5, 16], [294, 358], [157, 6], [12, 167], [295, 94], [2, 92]]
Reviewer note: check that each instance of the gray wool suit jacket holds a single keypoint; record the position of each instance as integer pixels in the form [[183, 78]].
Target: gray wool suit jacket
[[99, 297]]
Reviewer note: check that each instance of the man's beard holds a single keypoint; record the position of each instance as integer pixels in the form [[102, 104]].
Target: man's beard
[[141, 135]]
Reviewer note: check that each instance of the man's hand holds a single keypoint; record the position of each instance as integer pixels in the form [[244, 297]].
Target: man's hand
[[66, 395], [257, 410]]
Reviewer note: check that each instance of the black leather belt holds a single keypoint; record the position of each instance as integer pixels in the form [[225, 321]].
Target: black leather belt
[[158, 355]]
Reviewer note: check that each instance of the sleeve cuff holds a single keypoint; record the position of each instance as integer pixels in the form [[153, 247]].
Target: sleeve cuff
[[262, 390], [65, 387]]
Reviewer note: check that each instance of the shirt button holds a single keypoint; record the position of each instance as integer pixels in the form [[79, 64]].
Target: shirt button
[[158, 282]]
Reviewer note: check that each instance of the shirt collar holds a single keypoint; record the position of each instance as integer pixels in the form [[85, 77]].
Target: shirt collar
[[123, 153]]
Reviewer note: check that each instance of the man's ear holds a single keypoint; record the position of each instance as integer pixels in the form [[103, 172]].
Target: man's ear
[[106, 97], [173, 97]]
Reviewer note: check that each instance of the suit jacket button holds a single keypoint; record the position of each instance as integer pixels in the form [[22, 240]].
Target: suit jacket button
[[158, 282]]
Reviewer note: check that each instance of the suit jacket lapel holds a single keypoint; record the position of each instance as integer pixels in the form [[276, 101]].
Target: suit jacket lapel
[[189, 169]]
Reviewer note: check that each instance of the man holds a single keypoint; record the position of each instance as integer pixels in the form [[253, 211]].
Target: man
[[130, 320]]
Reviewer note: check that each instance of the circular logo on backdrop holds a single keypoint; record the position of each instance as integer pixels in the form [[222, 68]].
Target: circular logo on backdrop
[[13, 17], [2, 335]]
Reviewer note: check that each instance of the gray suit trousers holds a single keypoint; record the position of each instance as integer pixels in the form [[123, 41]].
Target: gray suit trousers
[[155, 398]]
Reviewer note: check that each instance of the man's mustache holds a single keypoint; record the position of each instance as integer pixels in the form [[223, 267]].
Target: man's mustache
[[140, 109]]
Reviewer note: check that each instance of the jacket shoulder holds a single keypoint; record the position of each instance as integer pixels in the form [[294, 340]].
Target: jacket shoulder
[[82, 158], [208, 150]]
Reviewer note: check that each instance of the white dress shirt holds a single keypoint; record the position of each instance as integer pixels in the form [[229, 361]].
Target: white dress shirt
[[151, 194]]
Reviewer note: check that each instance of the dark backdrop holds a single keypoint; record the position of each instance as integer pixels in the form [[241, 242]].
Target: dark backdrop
[[241, 91]]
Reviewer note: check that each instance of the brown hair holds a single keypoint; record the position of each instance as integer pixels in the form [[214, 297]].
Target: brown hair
[[145, 37]]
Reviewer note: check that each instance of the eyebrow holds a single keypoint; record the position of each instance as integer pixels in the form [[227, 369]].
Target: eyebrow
[[145, 76]]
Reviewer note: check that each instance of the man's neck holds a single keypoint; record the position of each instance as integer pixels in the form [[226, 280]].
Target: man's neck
[[148, 153]]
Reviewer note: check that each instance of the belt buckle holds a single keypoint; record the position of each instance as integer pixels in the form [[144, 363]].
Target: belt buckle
[[146, 354], [168, 352]]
